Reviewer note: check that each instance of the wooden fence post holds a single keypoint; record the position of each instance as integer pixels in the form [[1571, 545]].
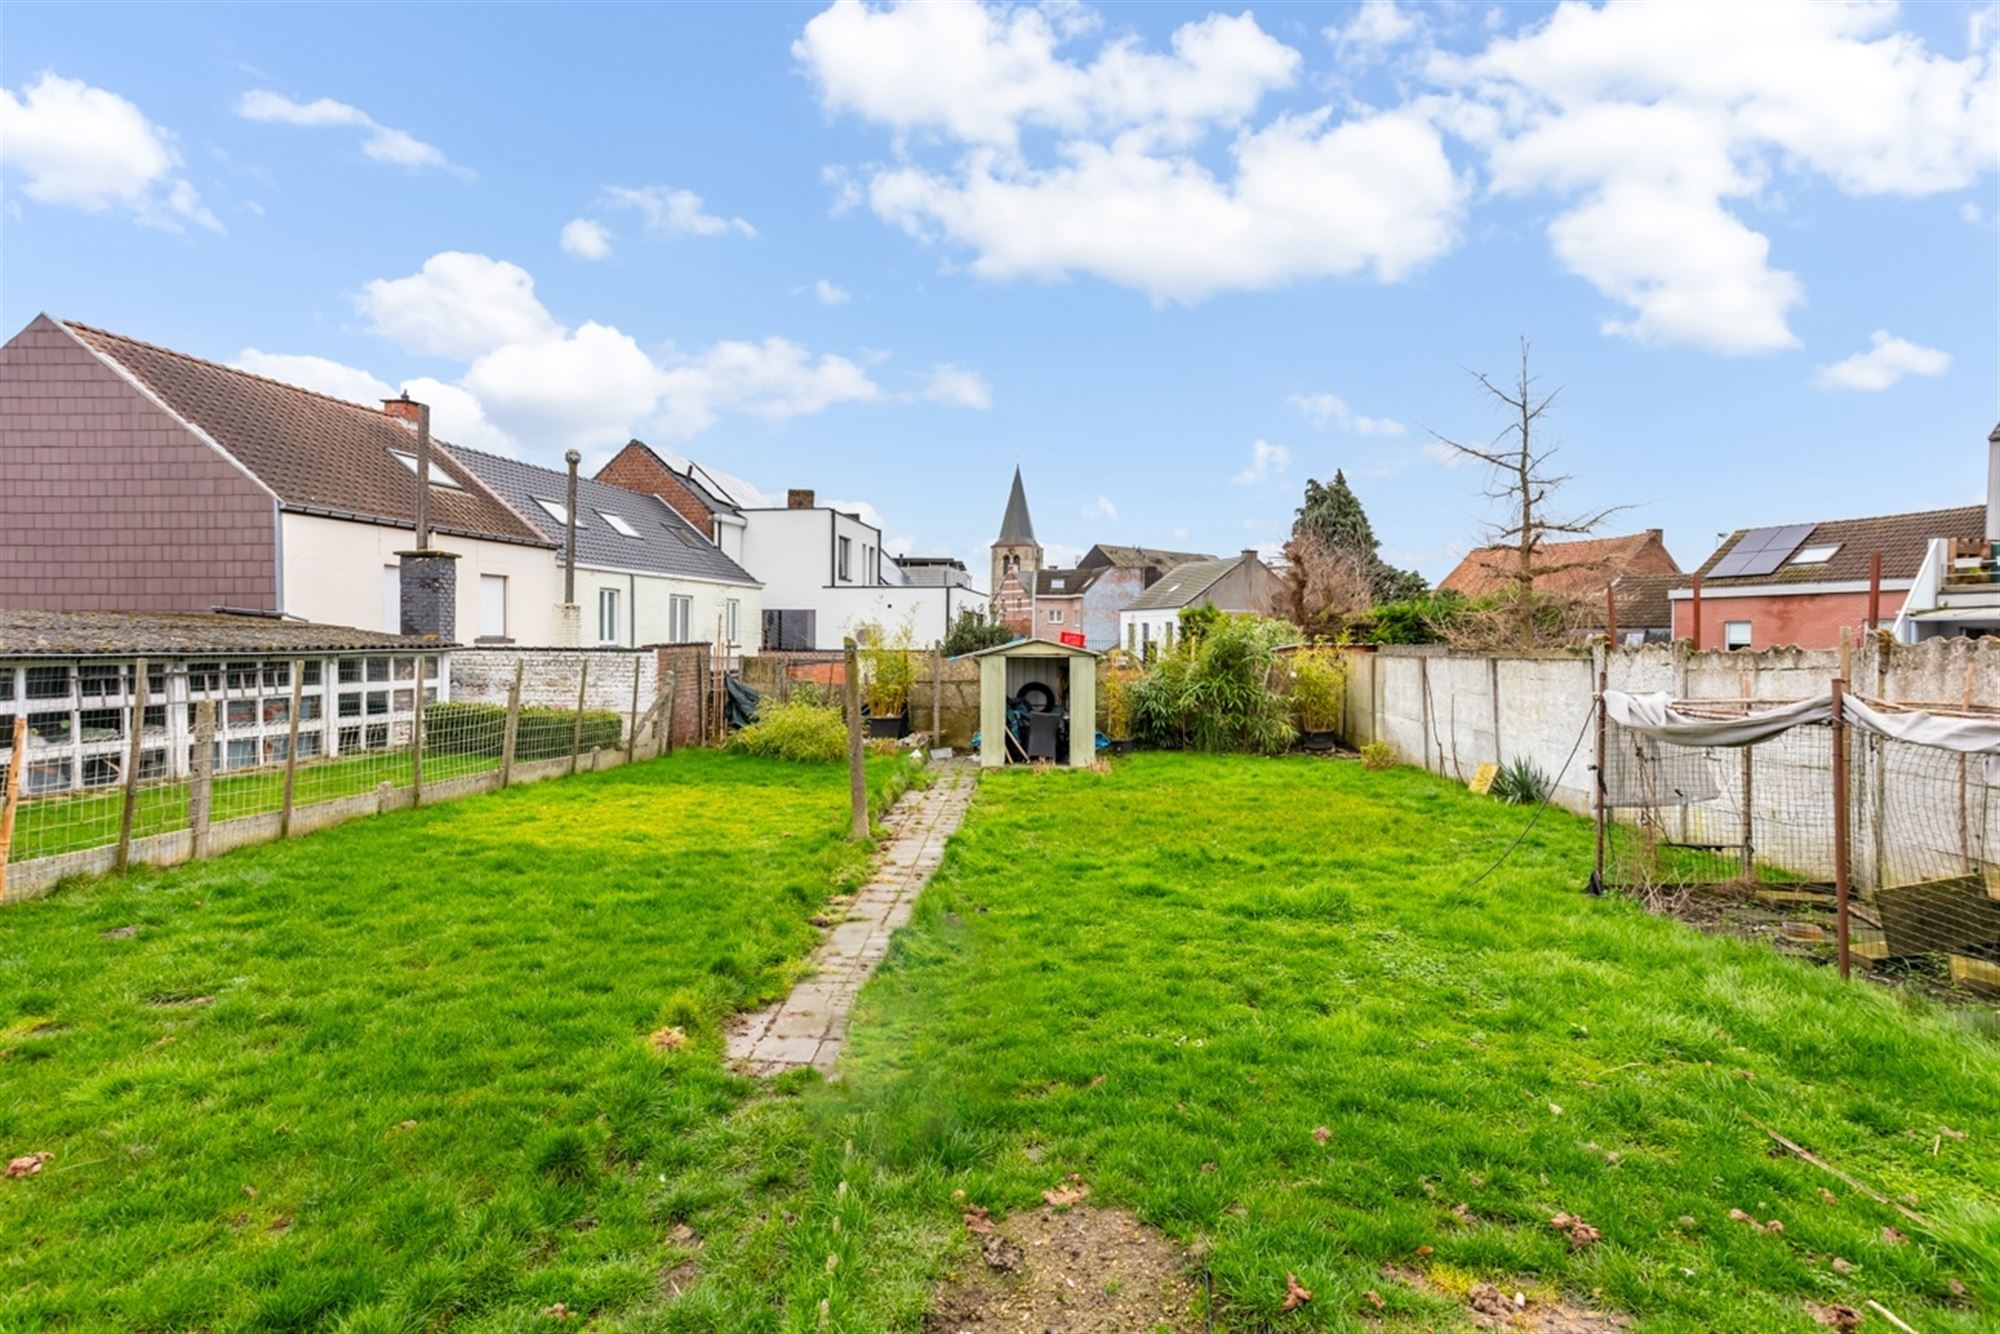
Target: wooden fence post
[[857, 775], [1840, 850], [576, 730], [632, 731], [201, 779], [292, 750], [937, 697], [1600, 794], [16, 759], [512, 731], [132, 753]]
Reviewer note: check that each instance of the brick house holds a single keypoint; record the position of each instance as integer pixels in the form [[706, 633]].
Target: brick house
[[143, 479], [1801, 584], [1581, 570]]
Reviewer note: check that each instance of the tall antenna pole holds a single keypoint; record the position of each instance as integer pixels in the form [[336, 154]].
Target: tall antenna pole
[[569, 537], [423, 476]]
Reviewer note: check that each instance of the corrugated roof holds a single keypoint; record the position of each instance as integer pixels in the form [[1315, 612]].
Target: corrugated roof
[[1015, 525], [1181, 585], [666, 542], [62, 634], [317, 453], [1580, 567], [1903, 540]]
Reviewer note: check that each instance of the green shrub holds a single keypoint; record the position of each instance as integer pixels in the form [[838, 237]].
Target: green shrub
[[1520, 783], [1378, 755], [1421, 620], [972, 632], [796, 730], [1218, 691], [1319, 689], [461, 727], [888, 671]]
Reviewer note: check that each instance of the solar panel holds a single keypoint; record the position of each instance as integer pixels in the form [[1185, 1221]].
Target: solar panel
[[1761, 550]]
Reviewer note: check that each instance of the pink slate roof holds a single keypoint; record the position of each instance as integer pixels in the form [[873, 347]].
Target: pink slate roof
[[317, 453]]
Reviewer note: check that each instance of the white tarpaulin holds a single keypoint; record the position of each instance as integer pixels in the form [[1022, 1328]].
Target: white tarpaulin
[[1654, 715]]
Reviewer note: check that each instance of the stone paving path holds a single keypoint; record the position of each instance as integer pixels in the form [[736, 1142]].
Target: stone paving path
[[809, 1027]]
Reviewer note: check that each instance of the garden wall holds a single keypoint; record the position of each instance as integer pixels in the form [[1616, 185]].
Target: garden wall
[[549, 679], [780, 673]]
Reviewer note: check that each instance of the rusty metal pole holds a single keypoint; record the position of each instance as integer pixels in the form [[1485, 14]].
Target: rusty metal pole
[[1874, 590], [1840, 832], [17, 759], [1697, 613], [569, 532], [1610, 617]]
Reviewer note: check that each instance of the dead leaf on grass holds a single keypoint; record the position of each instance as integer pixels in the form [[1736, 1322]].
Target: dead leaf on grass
[[682, 1235], [121, 933], [28, 1164], [1836, 1315], [1374, 1299], [1463, 1213], [1000, 1254], [1949, 1133], [556, 1312], [1295, 1296], [1321, 1134], [1842, 1267], [1071, 1191], [1580, 1233], [282, 1223], [1892, 1236], [668, 1039], [977, 1220], [1827, 1197], [251, 1191]]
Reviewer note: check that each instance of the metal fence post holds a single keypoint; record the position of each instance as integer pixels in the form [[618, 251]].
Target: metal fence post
[[632, 731], [576, 730], [132, 753], [201, 778], [1840, 848], [16, 759], [417, 742], [1599, 792], [667, 723], [292, 750], [857, 777], [512, 731]]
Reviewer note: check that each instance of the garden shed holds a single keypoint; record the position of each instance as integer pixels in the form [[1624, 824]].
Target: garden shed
[[1037, 701]]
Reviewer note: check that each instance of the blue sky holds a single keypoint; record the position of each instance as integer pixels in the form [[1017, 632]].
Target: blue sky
[[1171, 260]]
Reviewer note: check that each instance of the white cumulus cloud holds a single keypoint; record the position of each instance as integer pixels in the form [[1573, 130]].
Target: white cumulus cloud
[[830, 293], [379, 142], [1100, 508], [87, 148], [319, 374], [1324, 410], [1887, 360], [1266, 461], [958, 386], [1379, 426], [458, 305], [674, 212], [1377, 24], [586, 238]]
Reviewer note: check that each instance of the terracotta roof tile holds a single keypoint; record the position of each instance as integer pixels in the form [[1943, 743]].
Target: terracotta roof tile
[[1587, 565], [318, 453]]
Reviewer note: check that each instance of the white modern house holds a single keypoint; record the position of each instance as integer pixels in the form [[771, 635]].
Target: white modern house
[[1242, 584], [644, 574]]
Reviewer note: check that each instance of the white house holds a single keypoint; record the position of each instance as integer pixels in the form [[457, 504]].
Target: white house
[[644, 574], [1242, 584]]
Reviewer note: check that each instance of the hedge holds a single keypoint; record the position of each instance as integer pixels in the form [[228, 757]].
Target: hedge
[[457, 727]]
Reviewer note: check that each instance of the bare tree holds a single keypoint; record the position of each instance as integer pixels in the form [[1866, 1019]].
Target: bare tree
[[1324, 582], [1535, 608]]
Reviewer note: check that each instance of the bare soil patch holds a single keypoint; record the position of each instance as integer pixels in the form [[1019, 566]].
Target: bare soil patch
[[1070, 1271], [1508, 1307]]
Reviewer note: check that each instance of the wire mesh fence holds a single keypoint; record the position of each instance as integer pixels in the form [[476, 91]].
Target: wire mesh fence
[[98, 756], [1827, 837]]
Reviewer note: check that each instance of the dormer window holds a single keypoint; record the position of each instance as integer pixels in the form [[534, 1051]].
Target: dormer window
[[439, 477]]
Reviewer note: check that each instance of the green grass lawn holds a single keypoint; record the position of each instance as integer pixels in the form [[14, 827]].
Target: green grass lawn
[[396, 1075], [1166, 979]]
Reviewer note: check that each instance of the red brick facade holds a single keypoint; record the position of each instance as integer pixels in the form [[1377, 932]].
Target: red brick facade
[[1802, 620], [110, 503], [637, 468]]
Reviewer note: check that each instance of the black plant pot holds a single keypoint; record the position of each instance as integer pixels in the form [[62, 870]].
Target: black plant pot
[[893, 728], [1319, 743]]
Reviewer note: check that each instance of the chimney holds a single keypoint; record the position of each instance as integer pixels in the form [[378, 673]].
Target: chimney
[[427, 579], [402, 408], [1993, 486], [1249, 553], [797, 499]]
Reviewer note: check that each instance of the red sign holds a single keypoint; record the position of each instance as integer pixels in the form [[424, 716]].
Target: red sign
[[1072, 638]]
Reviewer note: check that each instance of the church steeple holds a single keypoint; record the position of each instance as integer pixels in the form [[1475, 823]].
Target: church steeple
[[1015, 550]]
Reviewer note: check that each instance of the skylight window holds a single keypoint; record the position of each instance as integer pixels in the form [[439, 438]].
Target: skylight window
[[556, 510], [618, 525], [439, 477], [1818, 555]]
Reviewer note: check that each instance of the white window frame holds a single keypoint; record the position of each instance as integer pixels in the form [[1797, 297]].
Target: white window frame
[[556, 510], [619, 525], [607, 616], [1729, 636], [1055, 615], [732, 612], [680, 618], [487, 630], [1819, 553], [843, 558]]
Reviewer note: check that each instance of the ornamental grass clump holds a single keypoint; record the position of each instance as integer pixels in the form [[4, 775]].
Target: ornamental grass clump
[[888, 672], [1218, 690], [798, 730], [1319, 689]]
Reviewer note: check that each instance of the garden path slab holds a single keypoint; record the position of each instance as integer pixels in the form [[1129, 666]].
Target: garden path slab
[[809, 1026]]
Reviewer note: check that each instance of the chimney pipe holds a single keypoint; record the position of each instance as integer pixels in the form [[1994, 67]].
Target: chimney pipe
[[1993, 486], [402, 407], [569, 536], [423, 476], [798, 499]]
